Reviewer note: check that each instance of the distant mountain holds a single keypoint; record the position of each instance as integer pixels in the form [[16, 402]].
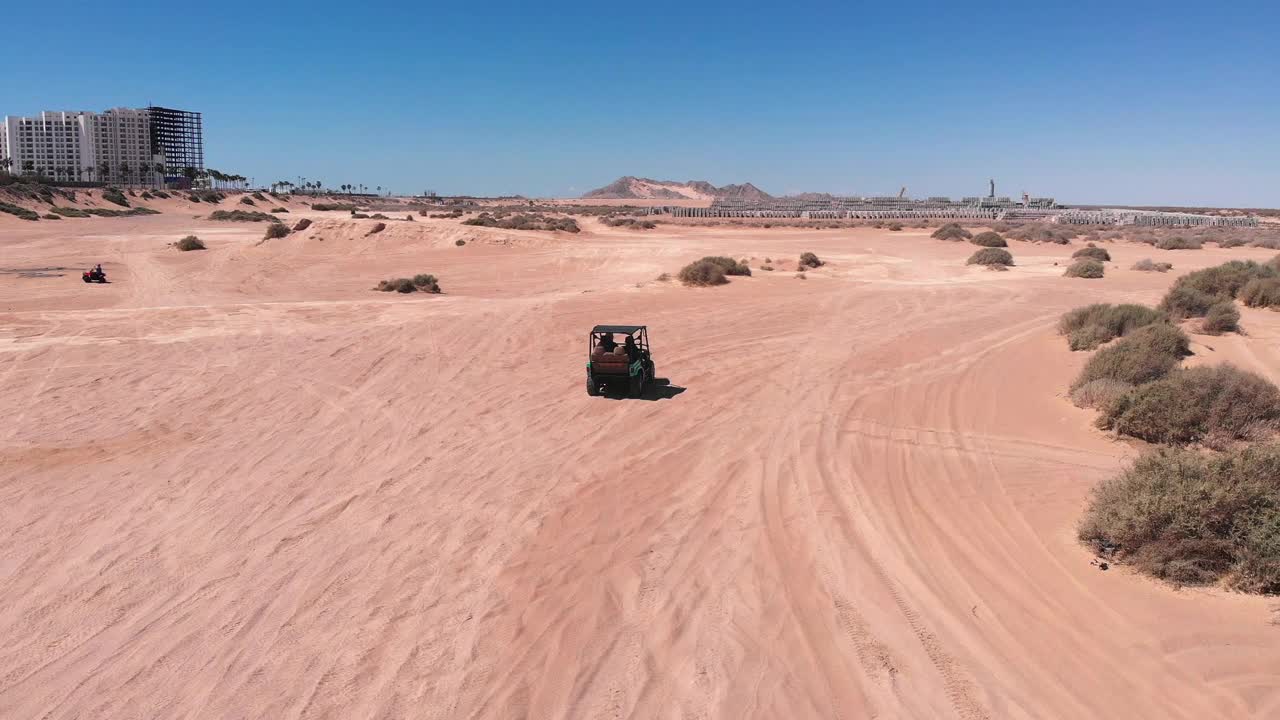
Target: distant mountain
[[634, 188]]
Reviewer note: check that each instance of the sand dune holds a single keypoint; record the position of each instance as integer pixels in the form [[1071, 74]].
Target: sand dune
[[238, 483]]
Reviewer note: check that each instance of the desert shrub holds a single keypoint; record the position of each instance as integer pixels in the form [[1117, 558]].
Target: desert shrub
[[275, 230], [807, 259], [409, 217], [400, 285], [1147, 353], [951, 231], [190, 242], [989, 239], [1221, 317], [1194, 293], [21, 212], [1094, 253], [279, 210], [113, 195], [990, 256], [1092, 325], [1043, 232], [379, 216], [131, 212], [160, 194], [377, 228], [359, 215], [729, 265], [246, 201], [1087, 268], [1178, 242], [1146, 265], [1193, 518], [51, 216], [767, 268], [523, 221], [459, 242], [242, 216], [70, 212], [258, 196], [146, 195], [1100, 394], [702, 273], [344, 207], [448, 215], [1213, 404], [426, 283], [302, 224], [664, 277], [1261, 292], [628, 222], [895, 227]]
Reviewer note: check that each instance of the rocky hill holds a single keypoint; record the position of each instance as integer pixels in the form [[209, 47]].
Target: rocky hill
[[634, 188]]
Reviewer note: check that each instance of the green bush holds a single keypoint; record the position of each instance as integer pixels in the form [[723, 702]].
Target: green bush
[[246, 201], [1193, 518], [1194, 293], [1086, 268], [989, 239], [190, 242], [242, 216], [275, 230], [113, 195], [70, 212], [1210, 404], [21, 212], [277, 211], [400, 285], [703, 273], [1221, 317], [807, 259], [1261, 292], [1094, 253], [1043, 232], [1147, 353], [1092, 325], [951, 231], [990, 256], [1146, 265], [344, 207], [51, 216], [131, 212]]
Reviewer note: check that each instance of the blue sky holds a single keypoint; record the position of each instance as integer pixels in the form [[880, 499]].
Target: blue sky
[[1169, 102]]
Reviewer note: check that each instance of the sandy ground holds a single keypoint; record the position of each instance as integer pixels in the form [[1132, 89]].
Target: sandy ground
[[239, 484]]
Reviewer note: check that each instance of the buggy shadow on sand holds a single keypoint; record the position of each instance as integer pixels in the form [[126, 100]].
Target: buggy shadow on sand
[[626, 369]]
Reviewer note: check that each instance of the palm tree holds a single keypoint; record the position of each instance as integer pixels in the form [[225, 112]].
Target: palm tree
[[104, 171], [28, 167], [379, 189], [5, 164], [124, 172]]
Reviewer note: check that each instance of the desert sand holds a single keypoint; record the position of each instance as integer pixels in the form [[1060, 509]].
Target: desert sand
[[238, 483]]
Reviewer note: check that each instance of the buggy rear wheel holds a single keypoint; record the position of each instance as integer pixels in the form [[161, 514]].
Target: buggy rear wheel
[[637, 385], [592, 389]]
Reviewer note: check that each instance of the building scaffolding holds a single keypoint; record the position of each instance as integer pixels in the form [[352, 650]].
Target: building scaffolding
[[178, 136]]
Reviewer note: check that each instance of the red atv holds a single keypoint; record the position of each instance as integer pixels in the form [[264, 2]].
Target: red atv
[[94, 276]]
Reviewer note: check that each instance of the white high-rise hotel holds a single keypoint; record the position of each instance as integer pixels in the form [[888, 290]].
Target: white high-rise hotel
[[122, 145]]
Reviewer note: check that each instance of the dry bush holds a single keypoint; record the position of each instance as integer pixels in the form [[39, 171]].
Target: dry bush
[[664, 277], [1100, 394], [1261, 292], [246, 201], [1043, 232], [1222, 317], [344, 207], [1146, 265], [459, 242], [275, 230], [951, 231], [279, 210], [1145, 354], [1194, 293], [242, 216], [729, 265], [377, 228], [1093, 253], [1215, 405], [424, 283], [1178, 242], [51, 216], [190, 242], [1193, 518], [1092, 325], [895, 227], [808, 260], [1087, 268], [703, 273], [302, 224], [989, 239], [990, 256]]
